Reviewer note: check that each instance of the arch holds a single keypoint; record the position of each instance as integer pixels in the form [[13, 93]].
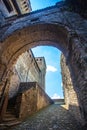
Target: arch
[[28, 37], [21, 38]]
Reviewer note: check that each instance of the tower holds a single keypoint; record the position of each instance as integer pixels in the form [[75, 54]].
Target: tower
[[42, 65], [14, 7]]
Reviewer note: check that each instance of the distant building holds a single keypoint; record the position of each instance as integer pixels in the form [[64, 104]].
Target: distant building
[[31, 69], [42, 65], [28, 69], [15, 7]]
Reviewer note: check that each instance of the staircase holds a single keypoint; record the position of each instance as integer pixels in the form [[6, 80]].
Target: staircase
[[9, 119]]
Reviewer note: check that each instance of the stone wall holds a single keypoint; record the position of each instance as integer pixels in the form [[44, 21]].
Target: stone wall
[[26, 103], [24, 6], [31, 98], [14, 83], [5, 11], [42, 65], [1, 19], [78, 6], [11, 8], [43, 99], [71, 99], [29, 70]]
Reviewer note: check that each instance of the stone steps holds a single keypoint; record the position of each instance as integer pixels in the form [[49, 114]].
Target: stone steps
[[6, 119], [9, 120], [8, 125], [9, 115]]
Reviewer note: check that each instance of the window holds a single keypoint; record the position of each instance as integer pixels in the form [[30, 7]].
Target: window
[[8, 5], [25, 6], [26, 9], [24, 2], [30, 55]]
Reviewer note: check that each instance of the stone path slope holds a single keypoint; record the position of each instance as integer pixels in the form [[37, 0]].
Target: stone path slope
[[54, 117]]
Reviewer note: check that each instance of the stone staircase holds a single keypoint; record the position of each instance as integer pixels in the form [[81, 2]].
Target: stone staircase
[[9, 119]]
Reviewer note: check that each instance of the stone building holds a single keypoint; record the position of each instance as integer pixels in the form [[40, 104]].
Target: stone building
[[27, 85], [24, 6], [31, 69], [17, 7], [42, 65], [27, 69]]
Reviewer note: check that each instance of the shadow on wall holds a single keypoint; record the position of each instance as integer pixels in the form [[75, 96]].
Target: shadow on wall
[[76, 112]]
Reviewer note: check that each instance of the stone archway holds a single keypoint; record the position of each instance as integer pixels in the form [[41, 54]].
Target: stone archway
[[41, 34], [25, 40], [24, 34]]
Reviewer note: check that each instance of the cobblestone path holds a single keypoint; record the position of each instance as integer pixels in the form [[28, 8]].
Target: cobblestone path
[[54, 117]]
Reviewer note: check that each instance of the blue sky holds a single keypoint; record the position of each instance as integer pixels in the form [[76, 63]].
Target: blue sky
[[39, 4], [52, 57], [53, 74]]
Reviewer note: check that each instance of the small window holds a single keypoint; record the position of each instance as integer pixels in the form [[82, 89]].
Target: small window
[[25, 5], [27, 9], [24, 2], [8, 5]]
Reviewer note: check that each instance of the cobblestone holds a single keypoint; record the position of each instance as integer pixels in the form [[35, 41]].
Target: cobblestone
[[54, 117]]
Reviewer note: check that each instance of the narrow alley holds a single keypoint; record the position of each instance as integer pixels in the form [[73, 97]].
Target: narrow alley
[[54, 117]]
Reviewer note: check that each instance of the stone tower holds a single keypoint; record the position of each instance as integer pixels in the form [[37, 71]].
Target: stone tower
[[23, 5], [14, 7], [42, 65]]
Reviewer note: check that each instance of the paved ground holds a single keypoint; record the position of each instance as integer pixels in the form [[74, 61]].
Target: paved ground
[[54, 117]]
